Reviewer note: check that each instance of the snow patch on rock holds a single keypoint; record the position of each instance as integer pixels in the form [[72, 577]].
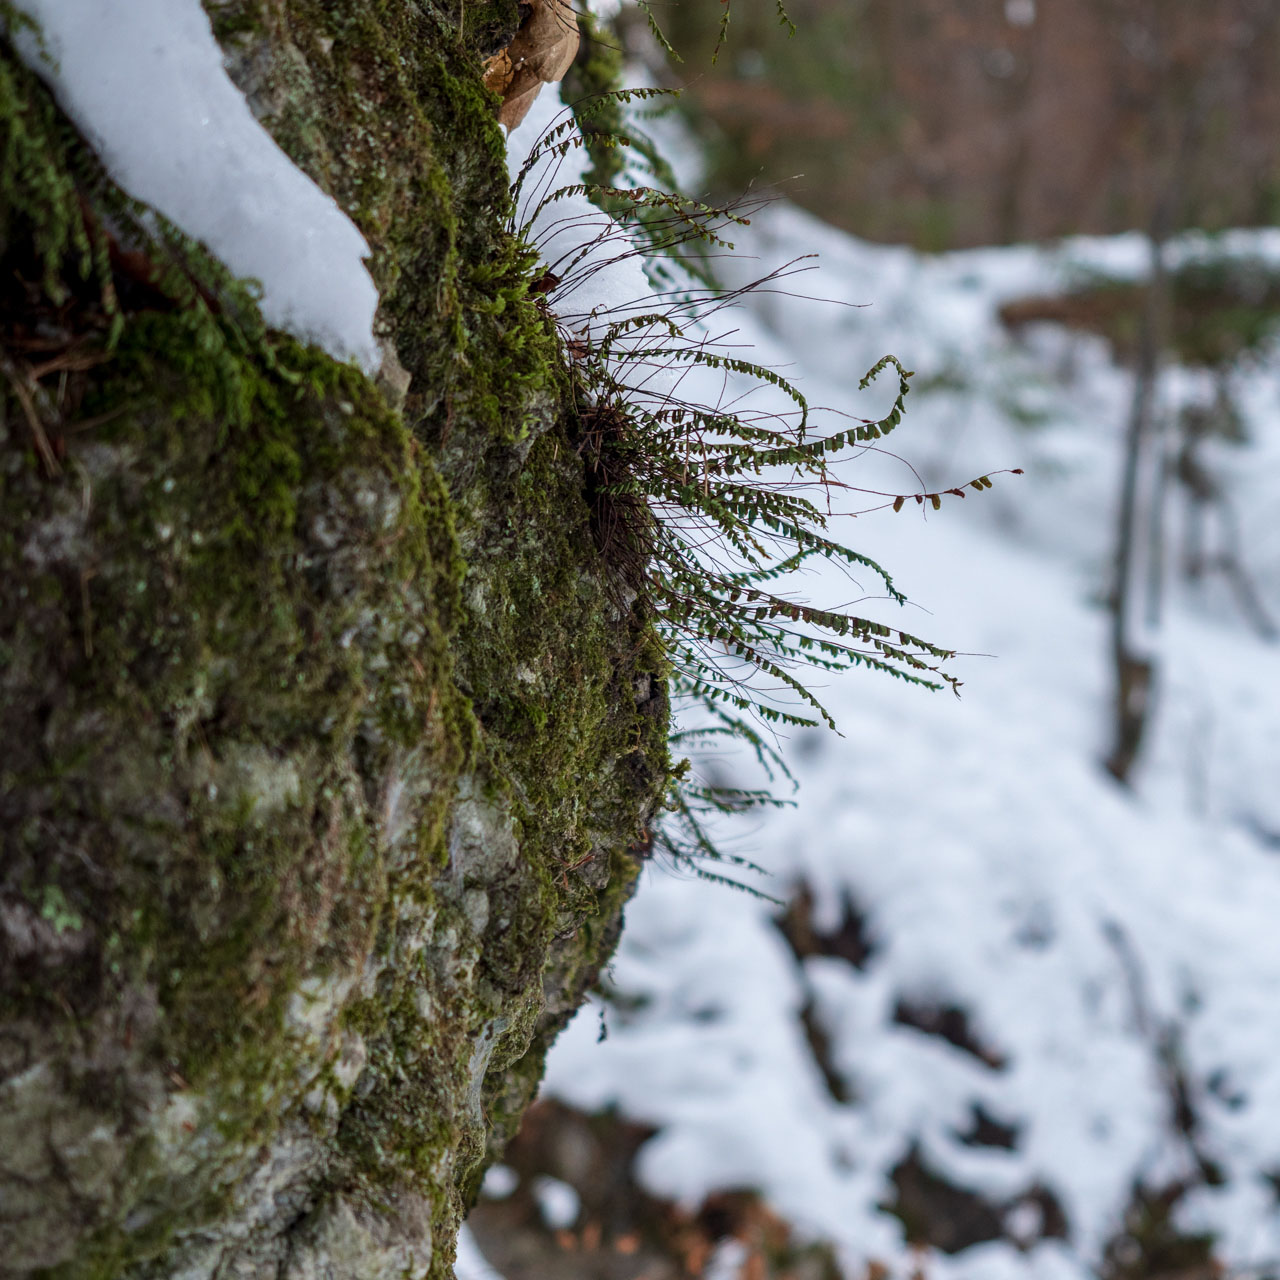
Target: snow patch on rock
[[144, 82]]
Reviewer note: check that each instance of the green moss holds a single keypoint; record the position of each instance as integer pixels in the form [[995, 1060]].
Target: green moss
[[39, 202], [195, 668], [383, 105], [268, 643], [204, 752]]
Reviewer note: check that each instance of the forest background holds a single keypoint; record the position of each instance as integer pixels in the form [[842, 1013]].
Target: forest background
[[1012, 1018]]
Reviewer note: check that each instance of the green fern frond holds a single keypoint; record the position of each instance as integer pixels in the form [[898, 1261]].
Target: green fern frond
[[715, 507]]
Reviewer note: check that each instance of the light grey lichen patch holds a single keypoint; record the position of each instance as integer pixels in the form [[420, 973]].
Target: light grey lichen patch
[[48, 934], [271, 1190], [344, 1238], [31, 1103], [58, 539], [251, 775], [482, 1046], [393, 378], [482, 838], [312, 1009]]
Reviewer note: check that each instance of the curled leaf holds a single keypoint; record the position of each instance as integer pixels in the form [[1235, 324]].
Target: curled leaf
[[542, 51]]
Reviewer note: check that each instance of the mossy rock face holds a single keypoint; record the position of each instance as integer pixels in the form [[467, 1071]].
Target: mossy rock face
[[327, 733]]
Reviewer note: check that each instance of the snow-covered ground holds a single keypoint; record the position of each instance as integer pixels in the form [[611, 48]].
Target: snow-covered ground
[[1107, 947]]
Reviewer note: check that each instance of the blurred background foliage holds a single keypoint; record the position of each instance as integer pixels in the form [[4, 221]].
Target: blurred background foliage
[[952, 123]]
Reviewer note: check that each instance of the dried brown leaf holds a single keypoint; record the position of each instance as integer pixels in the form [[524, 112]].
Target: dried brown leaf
[[542, 51]]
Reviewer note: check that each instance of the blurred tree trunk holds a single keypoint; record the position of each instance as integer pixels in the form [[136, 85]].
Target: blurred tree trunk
[[1178, 93], [1135, 596]]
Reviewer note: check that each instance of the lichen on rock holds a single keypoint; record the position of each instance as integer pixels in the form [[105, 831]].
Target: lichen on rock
[[324, 751]]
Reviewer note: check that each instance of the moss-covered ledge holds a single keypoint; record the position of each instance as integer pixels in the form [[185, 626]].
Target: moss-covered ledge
[[327, 734]]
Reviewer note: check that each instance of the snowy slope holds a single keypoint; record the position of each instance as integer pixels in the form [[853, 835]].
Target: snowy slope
[[1107, 947]]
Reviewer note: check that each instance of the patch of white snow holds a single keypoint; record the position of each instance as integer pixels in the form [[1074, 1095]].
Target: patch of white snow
[[144, 82], [471, 1264], [1082, 928], [557, 1202], [500, 1180]]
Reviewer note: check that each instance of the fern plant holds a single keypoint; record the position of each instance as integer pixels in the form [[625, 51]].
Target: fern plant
[[722, 33], [706, 507]]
